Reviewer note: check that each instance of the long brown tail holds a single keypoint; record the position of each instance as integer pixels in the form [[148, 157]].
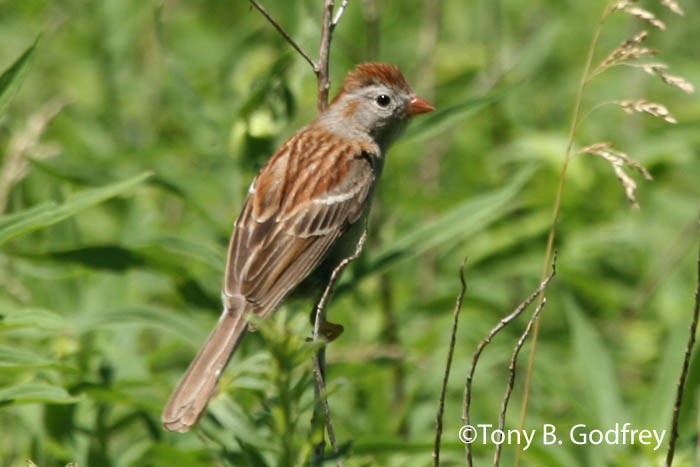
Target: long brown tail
[[190, 398]]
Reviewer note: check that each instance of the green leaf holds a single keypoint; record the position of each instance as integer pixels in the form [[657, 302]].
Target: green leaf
[[109, 257], [179, 249], [173, 187], [44, 215], [500, 238], [171, 454], [14, 356], [157, 318], [460, 222], [236, 423], [74, 172], [22, 359], [599, 382], [376, 445], [35, 392], [440, 120], [253, 455], [12, 77], [168, 254], [32, 318]]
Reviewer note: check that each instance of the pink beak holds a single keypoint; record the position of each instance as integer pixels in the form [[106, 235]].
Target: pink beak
[[418, 105]]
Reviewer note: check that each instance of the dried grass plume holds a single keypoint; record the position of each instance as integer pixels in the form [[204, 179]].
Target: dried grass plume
[[618, 160]]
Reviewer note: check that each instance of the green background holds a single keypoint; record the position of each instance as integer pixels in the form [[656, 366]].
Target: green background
[[133, 129]]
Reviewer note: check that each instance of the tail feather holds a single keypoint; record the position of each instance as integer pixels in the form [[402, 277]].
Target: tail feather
[[190, 398]]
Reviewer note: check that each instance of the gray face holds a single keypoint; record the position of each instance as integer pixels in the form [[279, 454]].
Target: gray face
[[383, 108], [377, 112], [383, 111]]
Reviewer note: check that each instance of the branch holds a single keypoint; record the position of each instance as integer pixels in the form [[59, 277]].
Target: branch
[[511, 375], [319, 359], [466, 401], [284, 33], [328, 24], [321, 305], [684, 372], [322, 399], [448, 366], [321, 68], [339, 13]]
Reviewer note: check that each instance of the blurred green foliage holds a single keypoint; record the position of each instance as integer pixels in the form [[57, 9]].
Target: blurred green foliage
[[130, 130]]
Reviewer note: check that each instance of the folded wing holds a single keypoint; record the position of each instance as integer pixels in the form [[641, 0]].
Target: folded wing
[[283, 233]]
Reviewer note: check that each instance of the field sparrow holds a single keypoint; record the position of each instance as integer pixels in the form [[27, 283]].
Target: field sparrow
[[307, 196]]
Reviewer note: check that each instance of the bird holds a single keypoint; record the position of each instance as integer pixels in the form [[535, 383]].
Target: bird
[[300, 213]]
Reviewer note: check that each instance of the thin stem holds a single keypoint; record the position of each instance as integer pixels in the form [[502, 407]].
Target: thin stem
[[321, 396], [284, 33], [319, 359], [596, 107], [684, 372], [512, 367], [335, 275], [575, 120], [466, 401], [321, 68], [448, 366], [339, 13]]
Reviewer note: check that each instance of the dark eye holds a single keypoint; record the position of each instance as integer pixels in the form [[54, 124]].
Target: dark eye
[[383, 100]]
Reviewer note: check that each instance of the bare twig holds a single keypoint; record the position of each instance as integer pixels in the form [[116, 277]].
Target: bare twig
[[684, 372], [320, 67], [466, 401], [511, 375], [284, 33], [319, 358], [321, 305], [448, 366], [339, 13], [327, 26], [322, 399]]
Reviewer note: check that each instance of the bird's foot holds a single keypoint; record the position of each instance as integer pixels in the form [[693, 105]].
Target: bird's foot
[[330, 331]]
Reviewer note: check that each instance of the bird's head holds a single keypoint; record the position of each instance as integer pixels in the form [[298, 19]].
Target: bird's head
[[375, 99]]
